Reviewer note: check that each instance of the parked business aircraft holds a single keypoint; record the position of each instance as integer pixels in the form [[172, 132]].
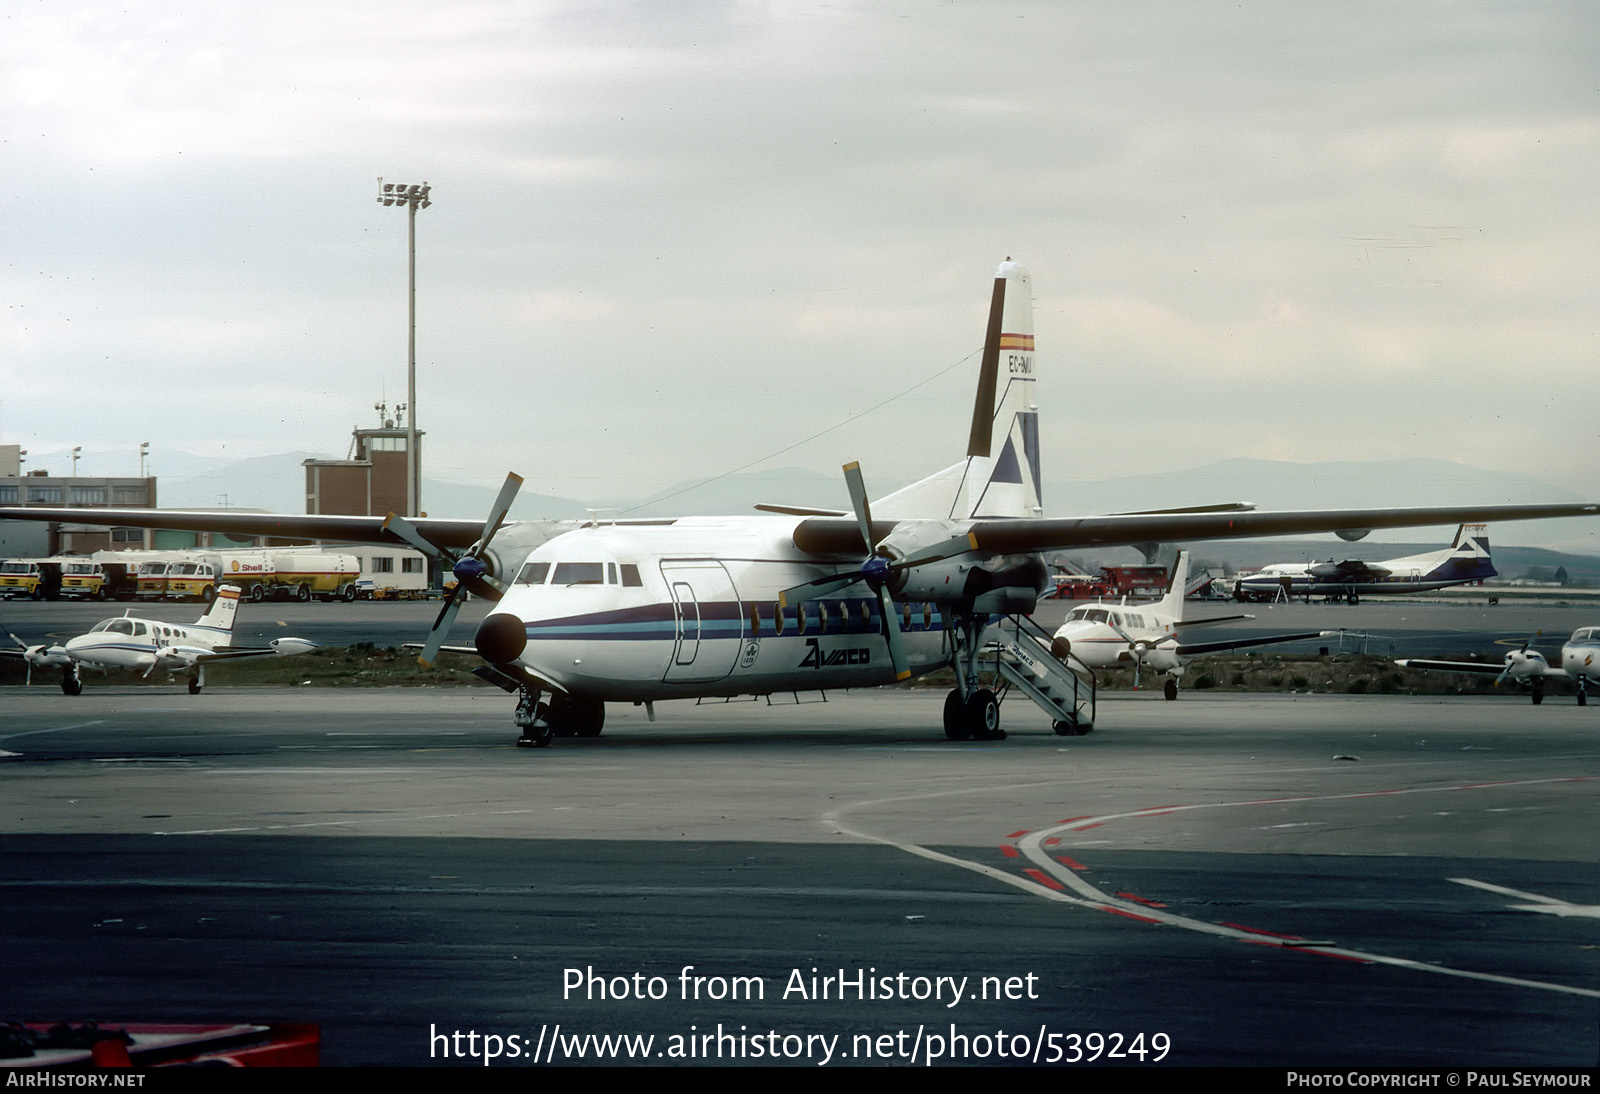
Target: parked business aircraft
[[140, 644], [1108, 636], [1465, 560], [639, 611], [1580, 662]]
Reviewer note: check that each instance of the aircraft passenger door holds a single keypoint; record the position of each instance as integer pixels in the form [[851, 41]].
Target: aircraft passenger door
[[686, 615], [708, 623]]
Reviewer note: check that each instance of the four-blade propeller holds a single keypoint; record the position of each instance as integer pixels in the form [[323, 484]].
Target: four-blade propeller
[[471, 571], [878, 570]]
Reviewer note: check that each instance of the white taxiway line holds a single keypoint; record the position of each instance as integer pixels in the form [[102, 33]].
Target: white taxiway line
[[1548, 904], [52, 729], [1049, 874]]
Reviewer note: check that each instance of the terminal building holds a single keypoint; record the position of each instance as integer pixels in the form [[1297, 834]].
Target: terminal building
[[31, 539]]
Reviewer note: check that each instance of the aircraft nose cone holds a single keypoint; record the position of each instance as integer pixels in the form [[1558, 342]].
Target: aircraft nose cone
[[501, 638]]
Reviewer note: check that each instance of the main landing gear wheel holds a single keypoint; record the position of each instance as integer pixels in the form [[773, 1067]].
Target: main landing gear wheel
[[983, 716], [976, 719], [955, 717], [1538, 692], [194, 687], [70, 684], [572, 716], [1583, 698], [1169, 689]]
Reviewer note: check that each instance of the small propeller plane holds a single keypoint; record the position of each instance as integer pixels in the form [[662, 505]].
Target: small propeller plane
[[593, 612], [1580, 662], [1464, 561], [140, 644], [1146, 636]]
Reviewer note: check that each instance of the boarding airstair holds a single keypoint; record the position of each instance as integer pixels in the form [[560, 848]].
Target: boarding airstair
[[1063, 690]]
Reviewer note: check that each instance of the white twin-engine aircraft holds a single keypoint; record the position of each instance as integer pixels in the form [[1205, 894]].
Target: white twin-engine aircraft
[[1580, 663], [1150, 636], [801, 599], [140, 644]]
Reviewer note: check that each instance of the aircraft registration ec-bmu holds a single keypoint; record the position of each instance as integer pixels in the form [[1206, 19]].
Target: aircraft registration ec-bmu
[[941, 574]]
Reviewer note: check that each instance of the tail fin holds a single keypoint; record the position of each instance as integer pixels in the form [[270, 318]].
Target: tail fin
[[223, 608], [1000, 476], [1472, 541], [1172, 603], [1469, 555]]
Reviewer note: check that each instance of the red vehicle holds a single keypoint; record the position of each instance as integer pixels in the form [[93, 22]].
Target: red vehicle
[[1136, 580], [1080, 587]]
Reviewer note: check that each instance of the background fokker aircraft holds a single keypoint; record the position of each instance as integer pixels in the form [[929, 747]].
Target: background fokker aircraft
[[134, 643], [640, 611], [1580, 662], [1146, 635], [1466, 559]]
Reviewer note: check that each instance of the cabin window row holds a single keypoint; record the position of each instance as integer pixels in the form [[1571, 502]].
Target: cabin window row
[[855, 616]]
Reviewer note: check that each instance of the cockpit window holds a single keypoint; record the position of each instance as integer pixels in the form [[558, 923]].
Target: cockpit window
[[534, 573], [580, 573], [630, 576], [119, 626]]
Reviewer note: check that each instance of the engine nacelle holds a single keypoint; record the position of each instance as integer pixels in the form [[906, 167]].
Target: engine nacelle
[[1004, 583]]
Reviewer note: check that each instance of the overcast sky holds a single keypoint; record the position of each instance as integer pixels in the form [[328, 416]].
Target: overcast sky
[[673, 238]]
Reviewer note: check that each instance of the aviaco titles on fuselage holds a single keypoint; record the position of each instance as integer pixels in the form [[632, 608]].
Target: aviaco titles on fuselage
[[941, 574]]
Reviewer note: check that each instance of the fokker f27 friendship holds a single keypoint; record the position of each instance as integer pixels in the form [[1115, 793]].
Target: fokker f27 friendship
[[1465, 560], [800, 599]]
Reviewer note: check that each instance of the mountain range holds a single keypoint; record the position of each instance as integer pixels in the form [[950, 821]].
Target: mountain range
[[276, 484]]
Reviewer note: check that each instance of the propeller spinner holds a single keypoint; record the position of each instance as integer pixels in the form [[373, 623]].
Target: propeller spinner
[[472, 573]]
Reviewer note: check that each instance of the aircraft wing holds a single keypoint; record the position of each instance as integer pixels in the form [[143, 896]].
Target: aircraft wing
[[234, 653], [458, 534], [1008, 536], [831, 536], [1194, 649], [1476, 668], [1209, 622], [1348, 570]]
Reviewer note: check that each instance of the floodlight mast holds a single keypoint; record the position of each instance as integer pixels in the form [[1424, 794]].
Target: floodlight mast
[[413, 196]]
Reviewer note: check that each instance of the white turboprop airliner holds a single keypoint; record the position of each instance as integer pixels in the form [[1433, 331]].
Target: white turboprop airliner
[[1580, 662], [1465, 560], [1146, 635], [132, 643], [641, 611]]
